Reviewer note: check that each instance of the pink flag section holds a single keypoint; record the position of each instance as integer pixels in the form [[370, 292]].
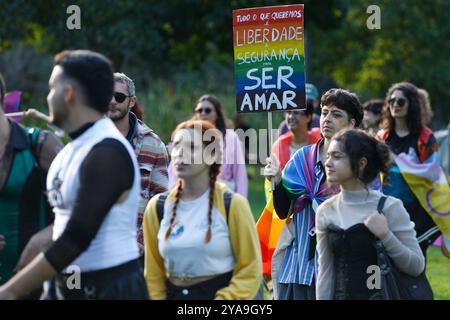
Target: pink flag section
[[12, 103]]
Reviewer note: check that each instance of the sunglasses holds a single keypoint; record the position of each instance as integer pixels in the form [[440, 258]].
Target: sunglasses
[[120, 97], [400, 102], [205, 110]]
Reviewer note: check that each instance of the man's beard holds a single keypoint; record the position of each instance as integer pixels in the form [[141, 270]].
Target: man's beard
[[117, 117], [59, 116]]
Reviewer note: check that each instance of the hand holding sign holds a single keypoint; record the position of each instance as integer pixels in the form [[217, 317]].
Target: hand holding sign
[[272, 170]]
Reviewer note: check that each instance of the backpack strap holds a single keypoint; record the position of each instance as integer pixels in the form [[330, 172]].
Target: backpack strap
[[381, 204], [160, 206], [227, 197]]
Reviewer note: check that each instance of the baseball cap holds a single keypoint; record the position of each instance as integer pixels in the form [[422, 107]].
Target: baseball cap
[[311, 91]]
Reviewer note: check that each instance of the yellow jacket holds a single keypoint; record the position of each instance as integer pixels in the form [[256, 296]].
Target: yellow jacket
[[246, 278]]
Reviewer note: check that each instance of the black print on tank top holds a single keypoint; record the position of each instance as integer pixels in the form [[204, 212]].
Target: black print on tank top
[[54, 194]]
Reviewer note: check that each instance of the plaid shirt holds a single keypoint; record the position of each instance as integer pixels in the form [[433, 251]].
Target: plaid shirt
[[153, 160]]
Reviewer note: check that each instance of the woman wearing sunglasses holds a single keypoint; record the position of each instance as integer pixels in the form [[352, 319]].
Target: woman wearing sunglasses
[[233, 172], [411, 142]]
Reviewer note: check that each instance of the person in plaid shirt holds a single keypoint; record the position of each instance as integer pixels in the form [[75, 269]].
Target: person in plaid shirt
[[150, 150]]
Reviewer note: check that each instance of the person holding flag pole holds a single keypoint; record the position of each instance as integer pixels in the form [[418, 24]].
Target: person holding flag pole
[[298, 192], [300, 134]]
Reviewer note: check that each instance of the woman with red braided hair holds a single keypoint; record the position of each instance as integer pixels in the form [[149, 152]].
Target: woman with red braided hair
[[198, 244]]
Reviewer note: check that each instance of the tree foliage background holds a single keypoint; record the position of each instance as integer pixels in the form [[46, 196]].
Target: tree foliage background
[[177, 50]]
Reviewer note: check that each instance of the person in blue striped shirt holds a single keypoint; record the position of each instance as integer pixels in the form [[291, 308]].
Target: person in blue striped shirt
[[298, 192]]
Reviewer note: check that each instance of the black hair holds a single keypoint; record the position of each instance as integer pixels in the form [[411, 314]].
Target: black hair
[[93, 72], [344, 100], [414, 117], [357, 144], [2, 91], [375, 106], [220, 121]]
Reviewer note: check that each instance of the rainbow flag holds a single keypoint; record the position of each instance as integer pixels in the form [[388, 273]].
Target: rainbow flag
[[12, 103], [269, 58], [428, 183], [269, 228]]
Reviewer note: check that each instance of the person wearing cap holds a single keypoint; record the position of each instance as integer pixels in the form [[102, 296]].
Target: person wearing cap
[[312, 97], [25, 157], [372, 115], [151, 152], [312, 103]]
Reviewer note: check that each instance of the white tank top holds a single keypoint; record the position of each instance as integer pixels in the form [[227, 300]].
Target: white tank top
[[115, 242]]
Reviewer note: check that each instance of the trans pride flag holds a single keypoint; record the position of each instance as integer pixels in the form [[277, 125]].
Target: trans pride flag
[[428, 183]]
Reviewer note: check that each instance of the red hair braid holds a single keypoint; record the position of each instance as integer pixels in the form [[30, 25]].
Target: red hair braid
[[213, 173], [174, 210]]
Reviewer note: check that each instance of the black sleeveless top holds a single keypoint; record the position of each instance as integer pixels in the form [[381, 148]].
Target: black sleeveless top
[[354, 251]]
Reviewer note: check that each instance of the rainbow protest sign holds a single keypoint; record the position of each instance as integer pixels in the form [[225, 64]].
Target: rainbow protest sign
[[269, 58]]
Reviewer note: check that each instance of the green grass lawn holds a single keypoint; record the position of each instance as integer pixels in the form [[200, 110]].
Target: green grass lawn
[[255, 190], [438, 266], [438, 273]]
